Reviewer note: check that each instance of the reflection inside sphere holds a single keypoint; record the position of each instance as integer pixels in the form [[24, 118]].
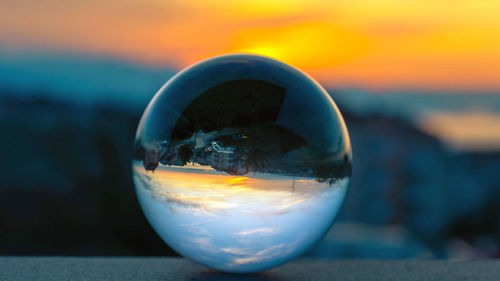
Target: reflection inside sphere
[[241, 163]]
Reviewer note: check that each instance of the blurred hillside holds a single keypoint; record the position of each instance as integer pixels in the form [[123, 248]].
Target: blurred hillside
[[67, 128], [80, 79]]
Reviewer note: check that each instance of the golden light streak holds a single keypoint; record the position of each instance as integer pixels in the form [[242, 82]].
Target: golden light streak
[[204, 189]]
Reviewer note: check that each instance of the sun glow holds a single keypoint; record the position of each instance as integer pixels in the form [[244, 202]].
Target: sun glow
[[375, 43], [308, 44]]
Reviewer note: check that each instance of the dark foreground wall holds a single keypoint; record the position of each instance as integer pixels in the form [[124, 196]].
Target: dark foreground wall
[[299, 270]]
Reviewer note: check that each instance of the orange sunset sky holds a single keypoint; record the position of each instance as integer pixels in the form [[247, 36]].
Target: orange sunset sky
[[376, 44]]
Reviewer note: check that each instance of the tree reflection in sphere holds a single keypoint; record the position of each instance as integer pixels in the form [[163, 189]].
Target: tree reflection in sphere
[[241, 162]]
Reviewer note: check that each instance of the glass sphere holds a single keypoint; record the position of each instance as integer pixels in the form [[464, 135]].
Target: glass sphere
[[241, 162]]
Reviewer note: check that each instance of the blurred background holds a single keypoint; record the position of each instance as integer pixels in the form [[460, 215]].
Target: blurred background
[[418, 83]]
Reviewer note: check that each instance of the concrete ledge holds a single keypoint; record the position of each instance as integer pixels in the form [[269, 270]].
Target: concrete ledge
[[136, 268]]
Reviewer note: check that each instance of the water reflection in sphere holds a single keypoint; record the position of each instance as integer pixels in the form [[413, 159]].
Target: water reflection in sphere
[[241, 163]]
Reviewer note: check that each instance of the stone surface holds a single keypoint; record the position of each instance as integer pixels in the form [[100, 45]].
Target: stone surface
[[125, 268]]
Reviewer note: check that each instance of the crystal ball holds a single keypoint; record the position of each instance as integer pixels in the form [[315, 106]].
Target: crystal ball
[[241, 162]]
